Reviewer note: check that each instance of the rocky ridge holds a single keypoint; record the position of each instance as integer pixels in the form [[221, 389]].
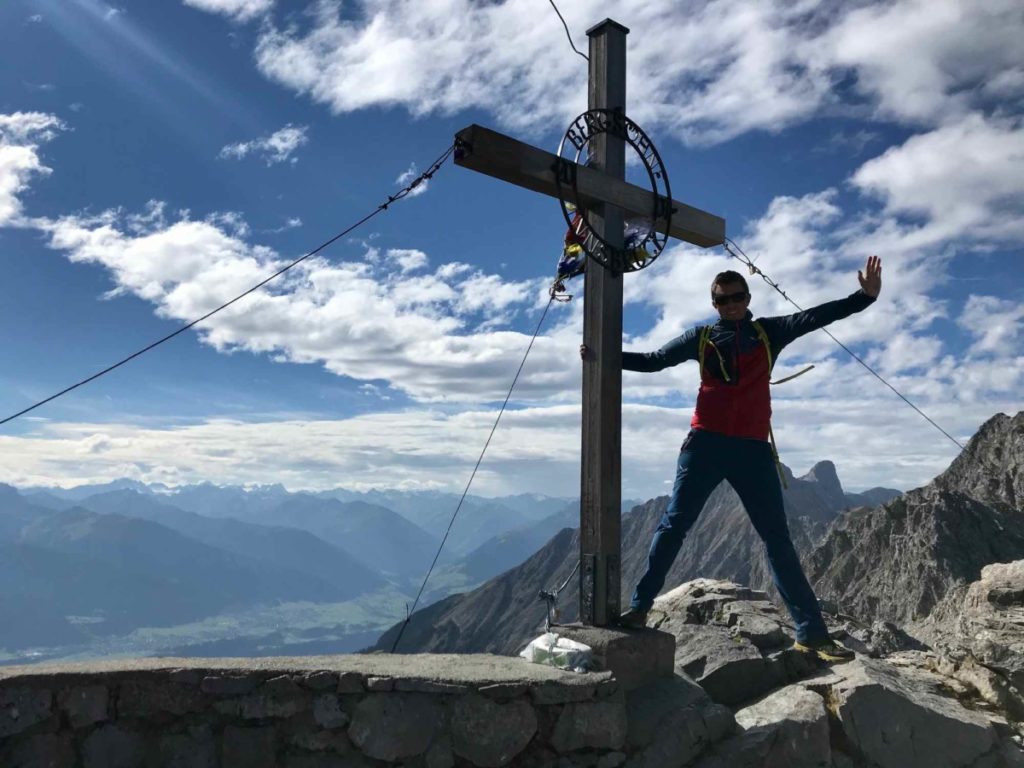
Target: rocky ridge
[[897, 705], [910, 560]]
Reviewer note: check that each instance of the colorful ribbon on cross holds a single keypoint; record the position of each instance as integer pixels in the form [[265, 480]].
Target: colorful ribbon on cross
[[573, 260]]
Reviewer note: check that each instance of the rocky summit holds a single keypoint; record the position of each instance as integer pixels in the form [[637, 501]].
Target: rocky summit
[[897, 704]]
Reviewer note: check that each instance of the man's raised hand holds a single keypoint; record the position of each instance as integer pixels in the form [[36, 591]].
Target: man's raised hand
[[871, 278]]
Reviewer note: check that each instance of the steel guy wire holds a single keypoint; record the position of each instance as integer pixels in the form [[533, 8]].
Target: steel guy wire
[[405, 191], [472, 475], [730, 244], [567, 33]]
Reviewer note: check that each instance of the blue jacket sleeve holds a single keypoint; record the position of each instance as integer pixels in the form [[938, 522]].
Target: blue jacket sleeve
[[675, 352], [787, 328]]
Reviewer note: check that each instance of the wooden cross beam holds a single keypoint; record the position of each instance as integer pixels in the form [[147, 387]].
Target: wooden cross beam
[[608, 198]]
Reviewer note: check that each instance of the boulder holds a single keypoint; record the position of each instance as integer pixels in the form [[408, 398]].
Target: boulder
[[787, 729], [395, 726], [991, 625], [672, 722], [490, 734], [731, 669], [898, 717]]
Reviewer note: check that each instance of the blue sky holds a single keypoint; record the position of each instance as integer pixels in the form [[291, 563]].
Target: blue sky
[[156, 159]]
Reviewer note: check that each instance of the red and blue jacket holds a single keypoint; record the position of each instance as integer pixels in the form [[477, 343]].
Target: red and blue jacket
[[733, 398]]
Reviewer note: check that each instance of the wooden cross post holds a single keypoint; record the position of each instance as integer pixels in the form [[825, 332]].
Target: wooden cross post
[[600, 187]]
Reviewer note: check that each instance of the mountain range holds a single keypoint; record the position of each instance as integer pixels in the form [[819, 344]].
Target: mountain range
[[92, 565], [502, 614], [881, 555]]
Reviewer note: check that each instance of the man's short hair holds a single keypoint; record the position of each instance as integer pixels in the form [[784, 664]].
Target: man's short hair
[[729, 276]]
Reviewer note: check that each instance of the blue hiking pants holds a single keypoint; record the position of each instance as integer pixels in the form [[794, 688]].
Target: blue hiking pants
[[707, 458]]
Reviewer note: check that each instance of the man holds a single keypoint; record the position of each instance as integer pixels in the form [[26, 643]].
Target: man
[[729, 440]]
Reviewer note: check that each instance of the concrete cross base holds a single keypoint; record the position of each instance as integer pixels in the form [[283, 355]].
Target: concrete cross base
[[635, 657]]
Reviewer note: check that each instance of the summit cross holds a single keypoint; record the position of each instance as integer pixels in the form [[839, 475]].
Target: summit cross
[[608, 198]]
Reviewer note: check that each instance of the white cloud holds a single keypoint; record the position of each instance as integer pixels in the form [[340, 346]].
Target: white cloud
[[275, 148], [436, 336], [20, 135], [702, 73], [29, 127], [922, 61], [241, 10], [408, 260], [733, 66], [966, 178], [35, 18], [871, 441], [997, 325]]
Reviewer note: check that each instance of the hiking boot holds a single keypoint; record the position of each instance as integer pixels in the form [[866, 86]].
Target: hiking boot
[[826, 650], [634, 618]]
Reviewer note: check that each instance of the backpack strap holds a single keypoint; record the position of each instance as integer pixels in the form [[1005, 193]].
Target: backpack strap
[[763, 335], [703, 342]]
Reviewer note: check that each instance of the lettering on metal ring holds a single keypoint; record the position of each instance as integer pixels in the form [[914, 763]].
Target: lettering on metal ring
[[644, 233]]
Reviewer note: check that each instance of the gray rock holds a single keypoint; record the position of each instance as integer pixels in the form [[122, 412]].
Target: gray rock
[[321, 681], [327, 711], [380, 684], [417, 685], [787, 729], [992, 467], [763, 632], [322, 741], [84, 705], [43, 750], [350, 682], [897, 718], [559, 693], [185, 676], [591, 725], [148, 699], [440, 754], [503, 691], [882, 638], [701, 601], [395, 726], [21, 708], [194, 749], [990, 685], [490, 734], [257, 706], [325, 761], [234, 685], [672, 722], [251, 747], [110, 746], [731, 669], [991, 624]]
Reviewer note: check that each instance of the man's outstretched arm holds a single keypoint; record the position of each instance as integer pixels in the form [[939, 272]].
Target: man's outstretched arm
[[675, 352], [786, 328]]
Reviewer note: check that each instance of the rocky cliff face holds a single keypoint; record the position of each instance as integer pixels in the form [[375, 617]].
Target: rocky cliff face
[[912, 557]]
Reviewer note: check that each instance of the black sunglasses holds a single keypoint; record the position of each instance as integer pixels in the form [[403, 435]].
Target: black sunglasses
[[721, 299]]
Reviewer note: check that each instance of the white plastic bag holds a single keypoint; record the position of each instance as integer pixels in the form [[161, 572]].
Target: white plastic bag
[[561, 652]]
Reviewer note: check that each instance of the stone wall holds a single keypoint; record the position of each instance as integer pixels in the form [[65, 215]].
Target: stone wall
[[432, 711]]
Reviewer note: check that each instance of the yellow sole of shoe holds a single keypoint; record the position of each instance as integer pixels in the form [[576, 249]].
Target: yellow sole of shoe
[[823, 655]]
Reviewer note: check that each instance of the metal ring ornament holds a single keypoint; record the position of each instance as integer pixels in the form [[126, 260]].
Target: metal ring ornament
[[578, 136]]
